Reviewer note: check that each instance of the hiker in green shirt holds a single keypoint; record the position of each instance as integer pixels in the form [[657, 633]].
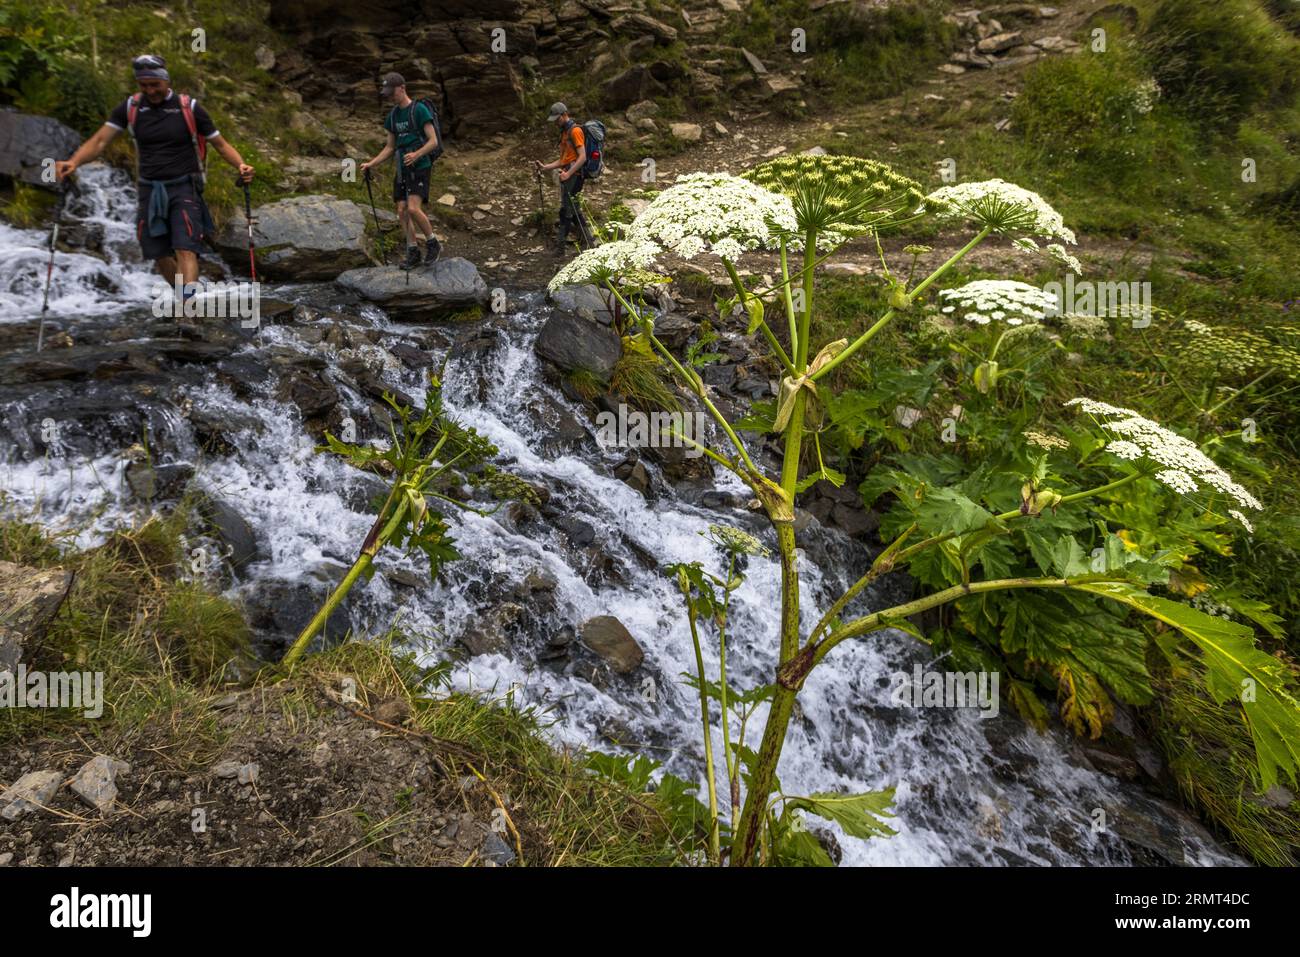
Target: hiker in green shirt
[[412, 127]]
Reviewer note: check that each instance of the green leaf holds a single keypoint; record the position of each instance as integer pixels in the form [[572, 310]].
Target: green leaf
[[946, 511], [1235, 671], [858, 814]]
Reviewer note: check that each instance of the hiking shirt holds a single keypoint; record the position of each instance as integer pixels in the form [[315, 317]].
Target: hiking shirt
[[406, 123], [163, 138], [571, 140]]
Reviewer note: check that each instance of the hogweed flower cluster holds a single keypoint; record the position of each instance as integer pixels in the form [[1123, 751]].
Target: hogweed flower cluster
[[714, 213], [998, 300], [1236, 351], [1003, 208], [838, 196], [619, 258], [1182, 466]]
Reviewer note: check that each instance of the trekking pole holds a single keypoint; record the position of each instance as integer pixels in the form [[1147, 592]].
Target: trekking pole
[[541, 197], [379, 230], [406, 198], [68, 184], [248, 215]]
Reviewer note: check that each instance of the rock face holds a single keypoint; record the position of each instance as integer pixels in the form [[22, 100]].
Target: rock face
[[607, 637], [26, 141], [29, 597], [302, 238], [426, 293], [570, 342], [464, 54]]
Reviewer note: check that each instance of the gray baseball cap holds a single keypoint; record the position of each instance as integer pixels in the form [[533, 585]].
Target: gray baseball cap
[[557, 110], [392, 81]]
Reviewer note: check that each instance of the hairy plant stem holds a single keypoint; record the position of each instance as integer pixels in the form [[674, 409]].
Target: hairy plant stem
[[745, 294], [694, 380], [754, 810], [715, 842], [374, 542]]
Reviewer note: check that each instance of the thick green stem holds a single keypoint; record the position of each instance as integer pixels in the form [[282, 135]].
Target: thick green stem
[[753, 813], [368, 553], [715, 843]]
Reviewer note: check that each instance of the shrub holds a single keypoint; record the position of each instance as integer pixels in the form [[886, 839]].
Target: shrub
[[1220, 61]]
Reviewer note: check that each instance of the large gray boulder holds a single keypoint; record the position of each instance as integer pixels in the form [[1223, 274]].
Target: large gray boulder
[[26, 142], [588, 301], [300, 238], [426, 293], [29, 598], [609, 638], [569, 342]]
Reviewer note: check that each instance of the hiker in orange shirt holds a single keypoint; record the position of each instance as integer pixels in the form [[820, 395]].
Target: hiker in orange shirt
[[573, 155]]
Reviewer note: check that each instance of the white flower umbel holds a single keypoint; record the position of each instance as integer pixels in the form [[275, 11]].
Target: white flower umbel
[[605, 262], [1001, 206], [1183, 466], [998, 300], [714, 213]]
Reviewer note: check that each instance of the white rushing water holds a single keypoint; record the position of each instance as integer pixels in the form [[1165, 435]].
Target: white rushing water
[[959, 800]]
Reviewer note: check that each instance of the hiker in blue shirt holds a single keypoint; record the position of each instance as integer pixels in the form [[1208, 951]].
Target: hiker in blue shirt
[[412, 127]]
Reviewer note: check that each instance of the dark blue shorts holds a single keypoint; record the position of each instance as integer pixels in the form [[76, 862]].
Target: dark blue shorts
[[184, 222]]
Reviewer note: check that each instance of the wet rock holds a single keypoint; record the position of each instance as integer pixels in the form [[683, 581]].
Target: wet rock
[[149, 482], [311, 392], [30, 597], [30, 792], [242, 543], [96, 782], [283, 607], [610, 639], [634, 474], [569, 342], [435, 292], [26, 141], [490, 633], [300, 238]]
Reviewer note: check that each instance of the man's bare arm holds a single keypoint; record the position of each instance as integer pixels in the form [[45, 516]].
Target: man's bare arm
[[87, 152]]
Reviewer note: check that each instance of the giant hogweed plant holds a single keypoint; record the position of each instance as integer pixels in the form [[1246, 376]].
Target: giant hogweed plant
[[803, 208], [428, 452]]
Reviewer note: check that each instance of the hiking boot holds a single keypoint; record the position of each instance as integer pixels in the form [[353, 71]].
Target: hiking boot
[[413, 257], [432, 250]]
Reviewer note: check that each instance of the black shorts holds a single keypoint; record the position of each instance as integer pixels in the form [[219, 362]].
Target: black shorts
[[184, 222], [417, 184]]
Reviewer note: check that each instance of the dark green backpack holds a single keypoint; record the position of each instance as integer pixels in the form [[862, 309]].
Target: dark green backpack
[[410, 118]]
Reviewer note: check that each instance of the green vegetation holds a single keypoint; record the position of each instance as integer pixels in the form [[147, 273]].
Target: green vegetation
[[172, 653]]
